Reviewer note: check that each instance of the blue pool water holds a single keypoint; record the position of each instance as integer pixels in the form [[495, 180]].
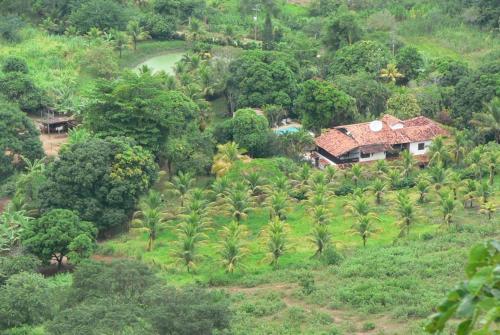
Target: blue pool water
[[287, 130]]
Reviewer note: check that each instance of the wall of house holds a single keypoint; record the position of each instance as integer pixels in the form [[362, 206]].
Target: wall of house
[[373, 157], [414, 148]]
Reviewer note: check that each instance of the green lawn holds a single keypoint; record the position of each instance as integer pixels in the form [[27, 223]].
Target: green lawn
[[209, 267]]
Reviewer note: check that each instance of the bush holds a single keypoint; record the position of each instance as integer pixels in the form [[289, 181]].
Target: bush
[[331, 256], [15, 64], [306, 282], [14, 264]]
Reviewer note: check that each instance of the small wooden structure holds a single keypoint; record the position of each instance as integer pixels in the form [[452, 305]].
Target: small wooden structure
[[51, 122]]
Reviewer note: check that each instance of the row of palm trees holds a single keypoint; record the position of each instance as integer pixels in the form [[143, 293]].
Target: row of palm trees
[[315, 190]]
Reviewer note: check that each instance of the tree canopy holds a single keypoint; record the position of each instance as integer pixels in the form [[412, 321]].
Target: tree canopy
[[323, 105], [19, 137], [139, 107], [100, 179], [367, 56]]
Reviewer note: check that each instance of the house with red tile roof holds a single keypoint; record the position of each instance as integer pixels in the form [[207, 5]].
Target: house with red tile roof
[[379, 139]]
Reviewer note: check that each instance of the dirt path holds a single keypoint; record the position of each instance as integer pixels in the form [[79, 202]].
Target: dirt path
[[52, 143], [382, 323]]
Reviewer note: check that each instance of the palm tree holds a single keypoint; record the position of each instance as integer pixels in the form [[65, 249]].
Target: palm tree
[[276, 237], [448, 205], [438, 153], [438, 176], [281, 183], [180, 185], [378, 187], [406, 211], [120, 42], [488, 122], [238, 203], [423, 185], [318, 200], [330, 173], [459, 146], [220, 187], [407, 162], [489, 209], [137, 33], [232, 248], [363, 226], [356, 174], [150, 217], [391, 73], [394, 177], [474, 161], [454, 181], [484, 191], [321, 238], [279, 205], [320, 215], [470, 192], [301, 178], [381, 167], [491, 160], [190, 235], [227, 155], [359, 206], [255, 182]]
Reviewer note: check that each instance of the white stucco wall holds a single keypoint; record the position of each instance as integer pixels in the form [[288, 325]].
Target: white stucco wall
[[414, 148], [373, 157]]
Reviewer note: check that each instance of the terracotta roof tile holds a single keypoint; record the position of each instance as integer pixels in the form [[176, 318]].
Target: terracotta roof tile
[[342, 139]]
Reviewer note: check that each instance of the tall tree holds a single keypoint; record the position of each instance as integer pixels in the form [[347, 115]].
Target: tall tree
[[268, 34]]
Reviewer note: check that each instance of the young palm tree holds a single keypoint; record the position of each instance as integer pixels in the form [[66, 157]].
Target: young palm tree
[[180, 185], [489, 209], [406, 210], [448, 206], [359, 206], [227, 155], [391, 73], [279, 205], [238, 203], [137, 33], [407, 163], [438, 153], [330, 173], [394, 177], [220, 187], [150, 216], [276, 237], [232, 248], [491, 160], [190, 235], [356, 174], [320, 215], [281, 183], [381, 167], [474, 161], [378, 187], [363, 226], [321, 238], [469, 187], [120, 42], [484, 191], [318, 200], [255, 182], [454, 181], [301, 178], [423, 186], [438, 176], [459, 147]]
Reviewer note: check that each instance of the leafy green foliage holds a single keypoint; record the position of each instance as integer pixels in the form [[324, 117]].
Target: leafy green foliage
[[14, 264], [409, 62], [100, 179], [322, 105], [342, 29], [19, 137], [473, 301], [137, 106], [362, 56], [57, 232], [102, 14], [260, 78], [24, 300]]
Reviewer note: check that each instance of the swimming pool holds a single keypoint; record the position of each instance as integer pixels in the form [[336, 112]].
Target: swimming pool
[[291, 129]]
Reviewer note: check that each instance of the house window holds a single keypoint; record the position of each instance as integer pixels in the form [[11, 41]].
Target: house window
[[363, 155], [421, 146]]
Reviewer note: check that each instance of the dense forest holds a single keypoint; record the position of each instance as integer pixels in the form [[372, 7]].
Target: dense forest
[[150, 182]]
